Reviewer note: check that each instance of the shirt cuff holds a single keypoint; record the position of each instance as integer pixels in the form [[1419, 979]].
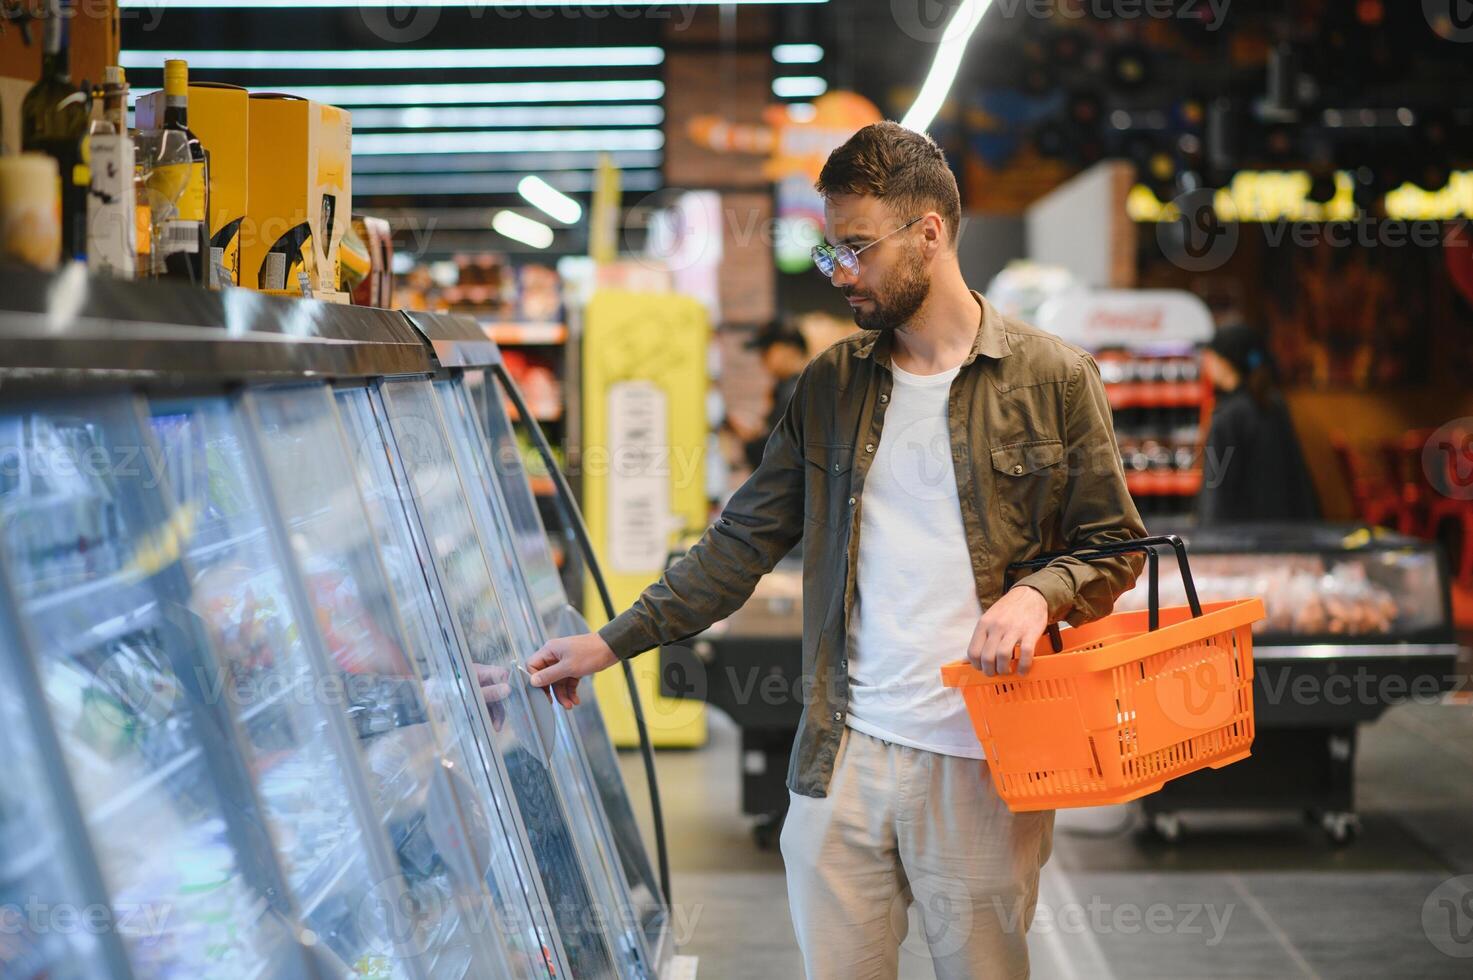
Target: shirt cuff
[[1057, 589], [626, 637]]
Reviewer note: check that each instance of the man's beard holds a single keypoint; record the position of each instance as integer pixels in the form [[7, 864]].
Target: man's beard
[[899, 299]]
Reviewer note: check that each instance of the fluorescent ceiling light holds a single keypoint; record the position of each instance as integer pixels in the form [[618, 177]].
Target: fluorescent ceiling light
[[258, 4], [493, 117], [477, 163], [520, 228], [799, 86], [797, 54], [949, 53], [484, 93], [400, 58], [549, 200], [440, 185], [507, 141]]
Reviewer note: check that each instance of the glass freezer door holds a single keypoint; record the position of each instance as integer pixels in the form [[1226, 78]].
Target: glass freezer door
[[128, 684], [559, 618], [47, 877], [522, 739], [496, 854], [570, 769], [282, 710]]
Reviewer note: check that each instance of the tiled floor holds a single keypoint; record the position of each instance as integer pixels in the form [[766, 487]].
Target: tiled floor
[[1261, 896]]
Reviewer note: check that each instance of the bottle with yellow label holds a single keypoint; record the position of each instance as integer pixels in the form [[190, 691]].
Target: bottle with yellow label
[[178, 187]]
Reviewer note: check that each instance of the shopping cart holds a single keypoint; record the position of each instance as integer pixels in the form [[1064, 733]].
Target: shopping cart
[[1111, 710]]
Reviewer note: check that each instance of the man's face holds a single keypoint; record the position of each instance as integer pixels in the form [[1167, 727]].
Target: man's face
[[894, 276]]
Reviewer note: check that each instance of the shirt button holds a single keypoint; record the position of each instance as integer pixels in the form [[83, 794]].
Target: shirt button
[[884, 399], [852, 501], [870, 448], [1017, 469], [836, 467], [838, 716]]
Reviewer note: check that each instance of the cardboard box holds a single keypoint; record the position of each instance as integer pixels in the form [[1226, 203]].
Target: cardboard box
[[219, 116], [301, 199]]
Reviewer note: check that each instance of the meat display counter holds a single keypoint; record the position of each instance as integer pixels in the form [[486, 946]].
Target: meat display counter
[[1358, 620], [256, 592]]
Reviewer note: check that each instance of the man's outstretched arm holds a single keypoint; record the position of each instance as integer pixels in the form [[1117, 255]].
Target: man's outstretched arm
[[759, 525]]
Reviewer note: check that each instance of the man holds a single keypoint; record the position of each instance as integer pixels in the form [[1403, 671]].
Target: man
[[917, 460], [784, 355]]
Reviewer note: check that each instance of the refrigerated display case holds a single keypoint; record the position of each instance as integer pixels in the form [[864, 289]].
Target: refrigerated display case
[[1359, 620], [476, 399], [274, 622]]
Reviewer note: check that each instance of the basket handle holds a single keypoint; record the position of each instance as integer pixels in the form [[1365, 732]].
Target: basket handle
[[1110, 550]]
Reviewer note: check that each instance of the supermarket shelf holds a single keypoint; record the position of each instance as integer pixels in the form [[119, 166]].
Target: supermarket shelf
[[143, 787], [514, 334], [1165, 483], [1156, 394], [323, 879], [19, 867]]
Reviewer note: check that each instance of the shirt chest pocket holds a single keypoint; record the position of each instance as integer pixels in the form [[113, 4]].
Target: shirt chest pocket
[[1028, 477], [826, 500]]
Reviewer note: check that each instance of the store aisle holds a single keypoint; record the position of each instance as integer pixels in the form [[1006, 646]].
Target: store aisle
[[1251, 896]]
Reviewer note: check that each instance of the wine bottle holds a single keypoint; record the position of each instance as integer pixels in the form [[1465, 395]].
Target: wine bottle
[[54, 121], [112, 242], [182, 243]]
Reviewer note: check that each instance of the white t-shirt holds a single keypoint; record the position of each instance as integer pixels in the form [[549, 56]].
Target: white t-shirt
[[917, 603]]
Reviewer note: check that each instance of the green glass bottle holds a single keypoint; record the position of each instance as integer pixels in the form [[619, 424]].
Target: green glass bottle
[[54, 120]]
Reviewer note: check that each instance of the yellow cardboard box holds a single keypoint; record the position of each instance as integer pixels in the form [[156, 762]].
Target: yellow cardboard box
[[301, 201], [218, 115]]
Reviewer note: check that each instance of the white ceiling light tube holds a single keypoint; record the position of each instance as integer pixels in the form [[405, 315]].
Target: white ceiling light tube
[[390, 59], [549, 200], [953, 45], [520, 228]]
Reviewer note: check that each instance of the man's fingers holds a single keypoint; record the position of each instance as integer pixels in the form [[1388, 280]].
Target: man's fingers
[[567, 692], [1025, 655], [1006, 649], [989, 649], [550, 673], [495, 692], [542, 659]]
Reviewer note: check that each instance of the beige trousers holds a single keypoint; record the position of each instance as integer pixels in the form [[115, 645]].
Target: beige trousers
[[901, 825]]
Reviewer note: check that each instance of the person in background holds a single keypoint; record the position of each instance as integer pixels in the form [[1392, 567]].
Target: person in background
[[784, 356], [1254, 469]]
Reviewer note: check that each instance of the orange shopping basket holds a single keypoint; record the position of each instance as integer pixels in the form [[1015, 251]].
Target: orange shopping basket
[[1111, 710]]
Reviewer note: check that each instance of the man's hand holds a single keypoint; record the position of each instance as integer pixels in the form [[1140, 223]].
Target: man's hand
[[562, 662], [1018, 618], [495, 688]]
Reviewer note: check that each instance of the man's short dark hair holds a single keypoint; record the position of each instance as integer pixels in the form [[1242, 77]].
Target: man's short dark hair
[[901, 167], [777, 332]]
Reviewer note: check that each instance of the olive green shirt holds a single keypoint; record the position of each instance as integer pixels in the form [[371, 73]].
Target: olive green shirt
[[1037, 470]]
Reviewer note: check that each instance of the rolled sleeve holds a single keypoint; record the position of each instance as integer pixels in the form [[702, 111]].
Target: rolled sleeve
[[1096, 509]]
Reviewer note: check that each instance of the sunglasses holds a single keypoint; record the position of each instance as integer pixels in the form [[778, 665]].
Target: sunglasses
[[827, 256]]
